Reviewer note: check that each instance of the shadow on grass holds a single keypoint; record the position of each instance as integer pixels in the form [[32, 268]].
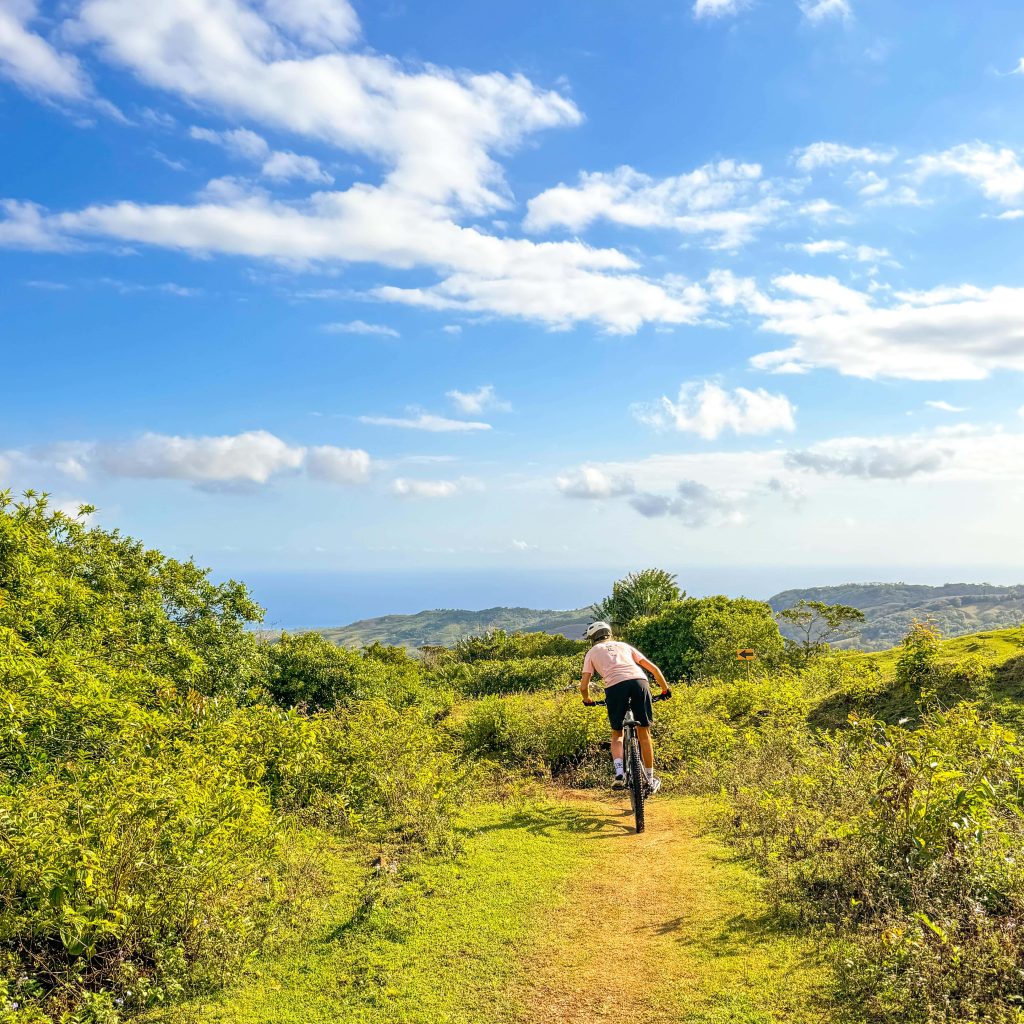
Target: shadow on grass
[[546, 821]]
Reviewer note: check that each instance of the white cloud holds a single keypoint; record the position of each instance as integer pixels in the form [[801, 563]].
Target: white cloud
[[424, 488], [944, 406], [1010, 215], [452, 329], [708, 410], [846, 251], [718, 8], [962, 333], [833, 154], [31, 62], [693, 503], [26, 226], [431, 127], [275, 164], [425, 421], [475, 402], [360, 327], [997, 172], [891, 459], [319, 24], [594, 482], [433, 132], [337, 465], [817, 11], [252, 457], [725, 201]]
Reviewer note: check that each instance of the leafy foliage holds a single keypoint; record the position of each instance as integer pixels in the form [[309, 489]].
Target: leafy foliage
[[637, 595], [144, 774], [817, 625], [698, 637]]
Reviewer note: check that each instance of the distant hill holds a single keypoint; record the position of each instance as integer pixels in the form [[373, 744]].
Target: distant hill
[[890, 608], [447, 625]]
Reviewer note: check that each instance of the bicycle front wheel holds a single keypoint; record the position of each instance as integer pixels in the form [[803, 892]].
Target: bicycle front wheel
[[637, 779]]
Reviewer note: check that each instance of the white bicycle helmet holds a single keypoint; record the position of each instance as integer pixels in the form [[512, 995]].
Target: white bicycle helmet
[[598, 631]]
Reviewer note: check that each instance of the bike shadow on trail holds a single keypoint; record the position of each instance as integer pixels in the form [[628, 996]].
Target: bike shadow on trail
[[549, 820]]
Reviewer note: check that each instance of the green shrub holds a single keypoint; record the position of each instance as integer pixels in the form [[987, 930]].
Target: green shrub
[[697, 638], [306, 669], [497, 645], [523, 675], [908, 839]]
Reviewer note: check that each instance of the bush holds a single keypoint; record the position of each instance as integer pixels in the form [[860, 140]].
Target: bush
[[907, 839], [497, 645], [307, 669], [697, 638]]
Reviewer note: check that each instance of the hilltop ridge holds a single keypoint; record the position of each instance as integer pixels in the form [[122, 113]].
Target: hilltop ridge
[[889, 608]]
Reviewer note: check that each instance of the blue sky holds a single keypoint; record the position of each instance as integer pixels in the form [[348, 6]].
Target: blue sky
[[298, 284]]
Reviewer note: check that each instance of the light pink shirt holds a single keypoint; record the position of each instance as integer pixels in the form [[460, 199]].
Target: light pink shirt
[[614, 661]]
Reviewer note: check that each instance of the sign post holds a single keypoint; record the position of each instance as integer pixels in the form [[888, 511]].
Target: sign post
[[746, 654]]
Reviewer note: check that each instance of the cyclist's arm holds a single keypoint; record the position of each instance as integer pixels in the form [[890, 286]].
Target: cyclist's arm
[[585, 686], [659, 676]]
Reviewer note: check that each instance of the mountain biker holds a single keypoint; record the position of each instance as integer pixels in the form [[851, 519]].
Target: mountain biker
[[621, 667]]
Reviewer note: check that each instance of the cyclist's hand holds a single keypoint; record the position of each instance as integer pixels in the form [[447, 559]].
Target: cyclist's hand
[[666, 694], [588, 702]]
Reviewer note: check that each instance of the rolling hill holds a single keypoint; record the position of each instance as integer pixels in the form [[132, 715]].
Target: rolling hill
[[891, 608], [447, 625]]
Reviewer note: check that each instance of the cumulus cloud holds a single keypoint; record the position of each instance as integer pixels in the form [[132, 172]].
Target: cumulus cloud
[[276, 164], [709, 410], [251, 458], [817, 11], [433, 132], [718, 8], [892, 459], [424, 488], [847, 251], [594, 482], [958, 333], [337, 465], [360, 327], [425, 421], [726, 201], [833, 154], [475, 402], [998, 173], [694, 504], [31, 62]]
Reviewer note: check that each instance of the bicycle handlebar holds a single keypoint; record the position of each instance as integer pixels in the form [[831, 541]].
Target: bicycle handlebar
[[602, 703]]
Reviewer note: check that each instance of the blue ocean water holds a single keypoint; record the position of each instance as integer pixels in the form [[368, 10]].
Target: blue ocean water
[[305, 598]]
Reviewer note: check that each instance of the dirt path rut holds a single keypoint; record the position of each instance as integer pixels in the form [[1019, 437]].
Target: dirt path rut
[[664, 927]]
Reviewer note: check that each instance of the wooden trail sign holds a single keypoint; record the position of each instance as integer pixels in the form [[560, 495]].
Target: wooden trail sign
[[745, 654]]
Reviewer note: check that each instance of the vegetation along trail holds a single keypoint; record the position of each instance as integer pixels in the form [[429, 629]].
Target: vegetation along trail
[[556, 911]]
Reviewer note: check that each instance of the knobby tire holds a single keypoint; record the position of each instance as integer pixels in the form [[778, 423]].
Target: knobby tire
[[636, 783]]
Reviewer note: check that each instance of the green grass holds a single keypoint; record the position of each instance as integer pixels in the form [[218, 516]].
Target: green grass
[[520, 928], [1001, 650], [435, 942]]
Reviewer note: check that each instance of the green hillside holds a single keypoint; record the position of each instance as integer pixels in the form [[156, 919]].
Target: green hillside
[[445, 626], [891, 608]]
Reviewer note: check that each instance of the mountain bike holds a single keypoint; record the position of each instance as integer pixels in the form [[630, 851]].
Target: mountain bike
[[634, 774]]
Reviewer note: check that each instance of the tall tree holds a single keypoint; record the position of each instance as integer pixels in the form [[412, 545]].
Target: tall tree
[[817, 625], [637, 595]]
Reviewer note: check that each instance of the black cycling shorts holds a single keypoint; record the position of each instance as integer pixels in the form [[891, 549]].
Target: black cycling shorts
[[635, 693]]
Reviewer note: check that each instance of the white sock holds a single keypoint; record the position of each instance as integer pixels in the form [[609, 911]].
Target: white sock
[[618, 765]]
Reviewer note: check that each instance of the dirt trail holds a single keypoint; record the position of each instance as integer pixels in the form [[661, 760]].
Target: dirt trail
[[664, 927]]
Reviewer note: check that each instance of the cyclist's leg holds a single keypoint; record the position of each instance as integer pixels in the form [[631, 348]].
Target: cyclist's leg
[[616, 744], [643, 734]]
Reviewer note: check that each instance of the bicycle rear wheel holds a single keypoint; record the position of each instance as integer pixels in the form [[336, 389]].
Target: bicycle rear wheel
[[637, 780]]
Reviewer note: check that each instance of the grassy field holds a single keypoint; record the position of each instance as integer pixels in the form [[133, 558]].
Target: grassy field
[[555, 911]]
